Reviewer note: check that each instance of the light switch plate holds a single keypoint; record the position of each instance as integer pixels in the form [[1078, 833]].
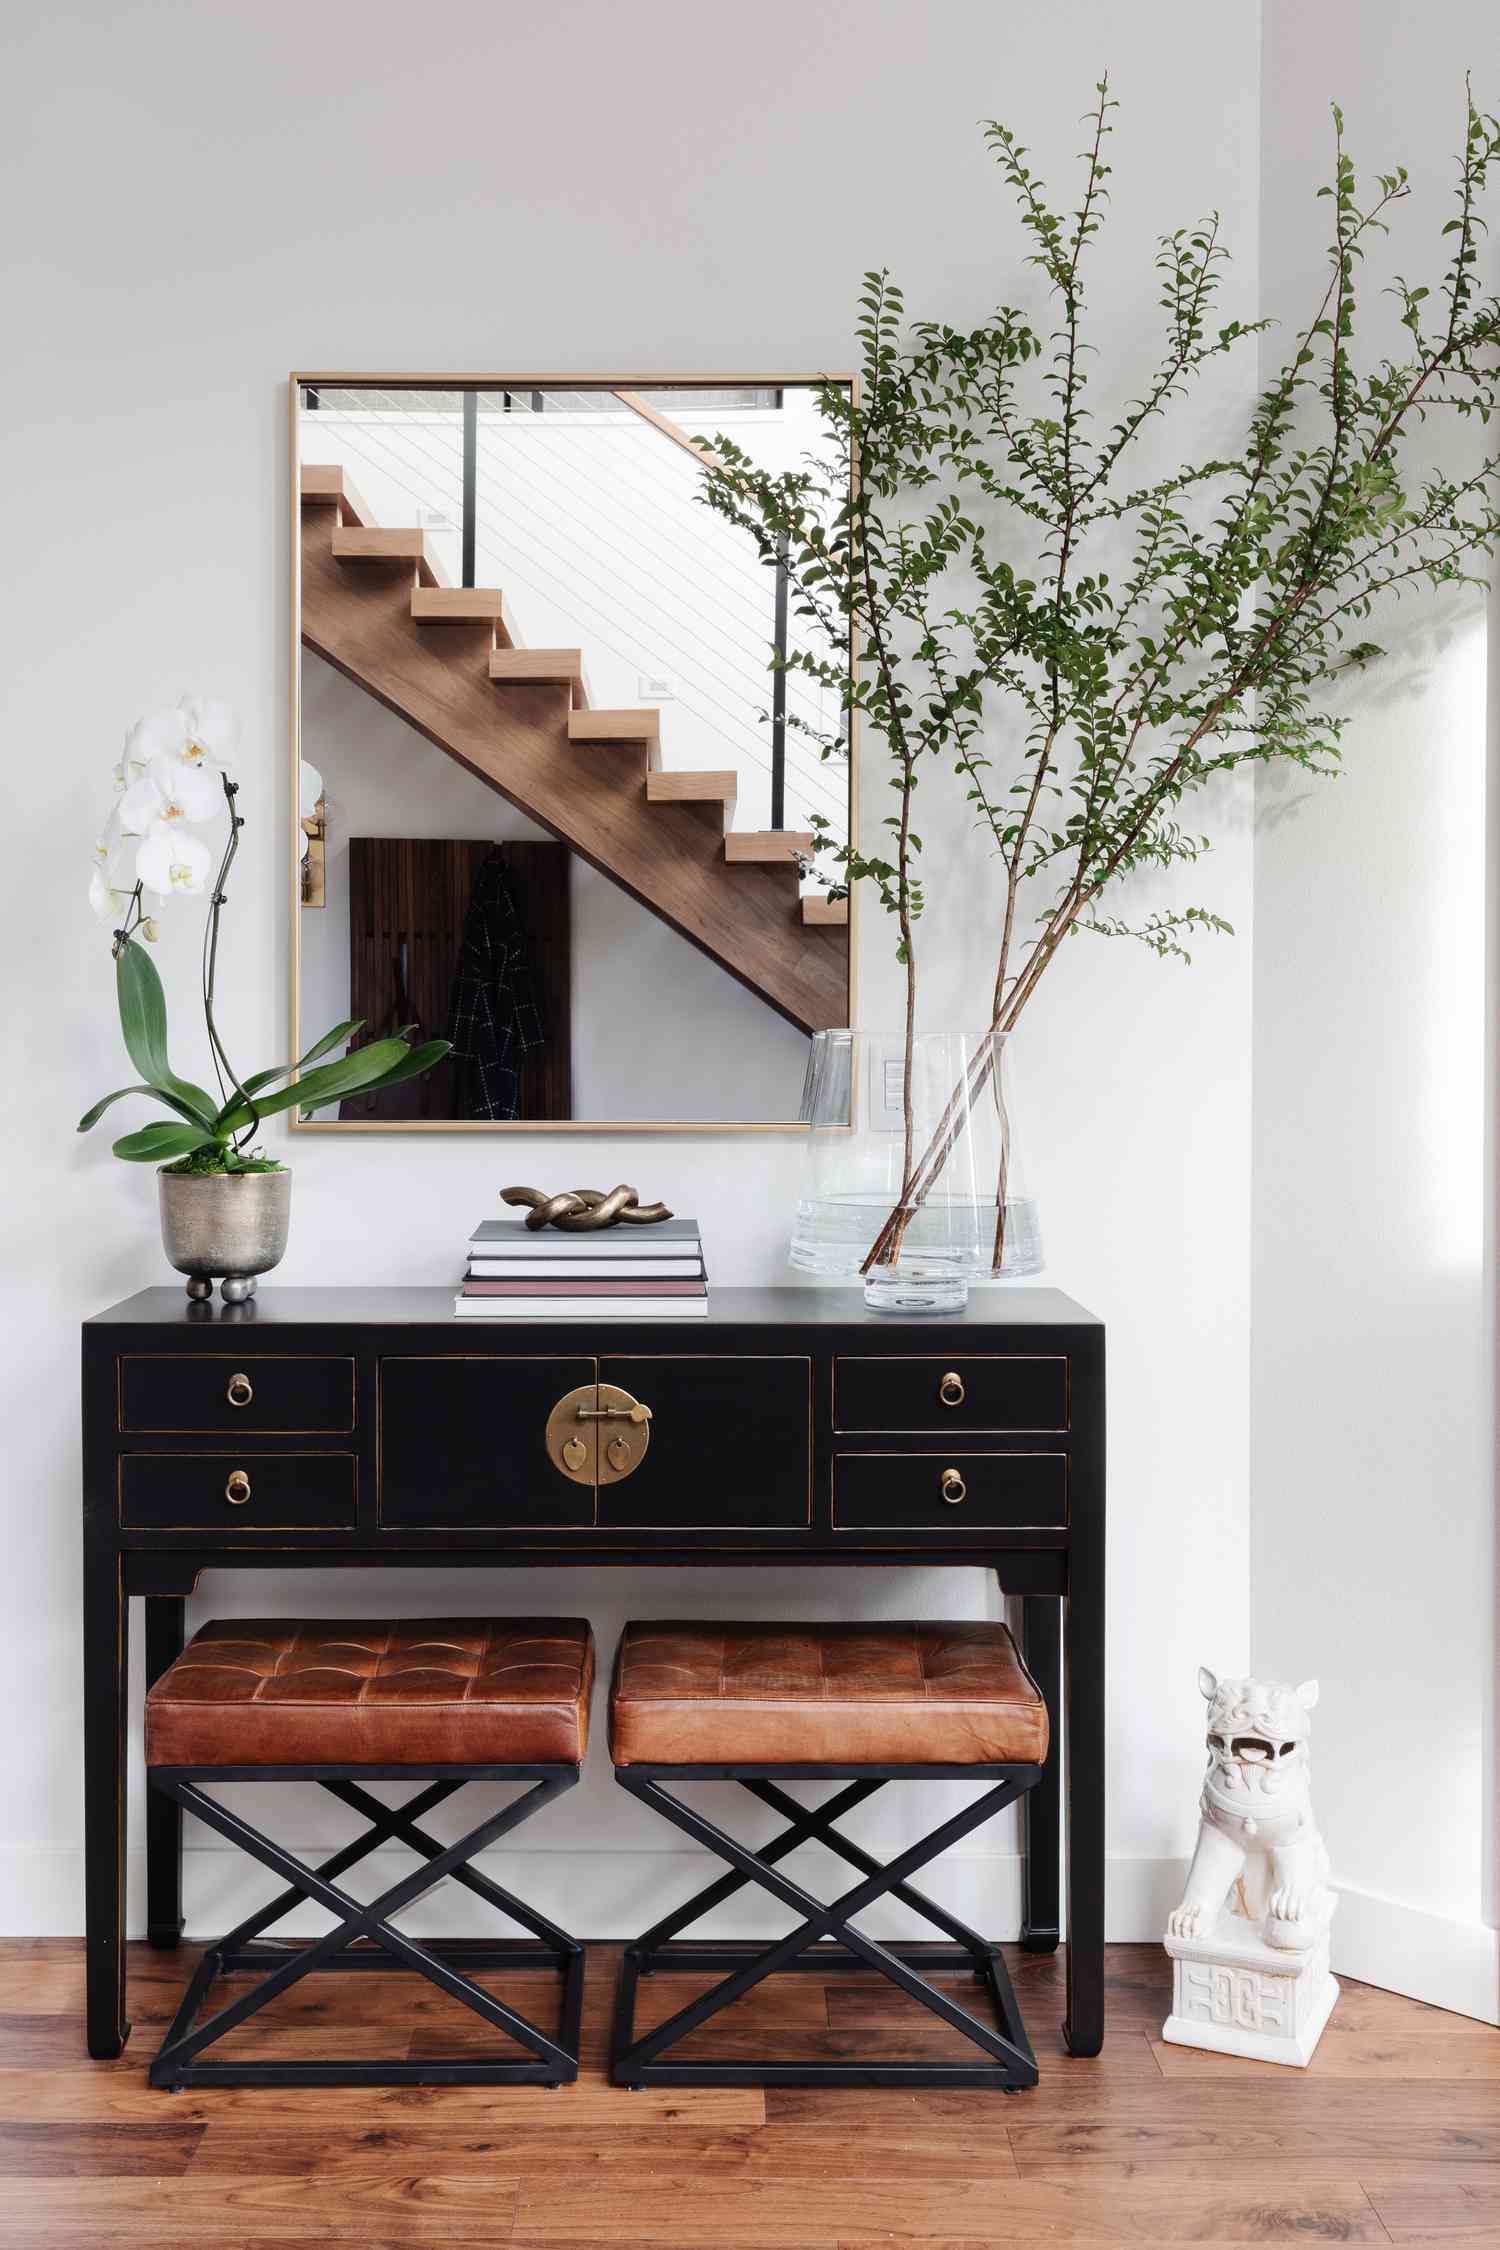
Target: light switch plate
[[656, 687]]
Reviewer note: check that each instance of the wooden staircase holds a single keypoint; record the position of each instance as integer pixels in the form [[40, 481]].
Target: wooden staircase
[[522, 721]]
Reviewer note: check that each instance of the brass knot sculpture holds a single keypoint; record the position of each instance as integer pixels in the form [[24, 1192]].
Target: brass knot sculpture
[[585, 1210]]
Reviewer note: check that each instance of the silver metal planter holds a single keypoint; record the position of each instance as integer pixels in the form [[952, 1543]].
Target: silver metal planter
[[228, 1227]]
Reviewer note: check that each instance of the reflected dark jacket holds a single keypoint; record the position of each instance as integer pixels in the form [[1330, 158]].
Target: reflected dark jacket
[[494, 1020]]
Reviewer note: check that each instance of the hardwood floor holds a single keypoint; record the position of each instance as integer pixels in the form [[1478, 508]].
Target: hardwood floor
[[1392, 2136]]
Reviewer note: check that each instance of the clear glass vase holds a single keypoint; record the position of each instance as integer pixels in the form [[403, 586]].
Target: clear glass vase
[[914, 1188]]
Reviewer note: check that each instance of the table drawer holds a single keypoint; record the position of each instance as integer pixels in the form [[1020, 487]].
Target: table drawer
[[248, 1394], [960, 1392], [948, 1491], [239, 1492]]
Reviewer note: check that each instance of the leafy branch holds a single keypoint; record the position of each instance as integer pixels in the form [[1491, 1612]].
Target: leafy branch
[[1084, 649]]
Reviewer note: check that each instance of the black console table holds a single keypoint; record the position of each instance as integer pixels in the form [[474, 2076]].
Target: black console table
[[367, 1426]]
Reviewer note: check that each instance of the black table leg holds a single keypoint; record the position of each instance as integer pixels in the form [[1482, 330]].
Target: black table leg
[[1041, 1645], [164, 1637], [1083, 2030], [105, 1673]]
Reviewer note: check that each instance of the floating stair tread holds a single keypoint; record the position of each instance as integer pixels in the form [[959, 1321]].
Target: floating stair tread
[[461, 605], [326, 485], [819, 913], [389, 546], [767, 845], [692, 788], [542, 667], [601, 727]]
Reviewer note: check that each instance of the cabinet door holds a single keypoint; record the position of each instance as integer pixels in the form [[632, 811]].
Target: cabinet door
[[731, 1443], [462, 1444]]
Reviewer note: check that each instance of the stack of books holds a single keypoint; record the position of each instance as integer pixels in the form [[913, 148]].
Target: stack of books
[[621, 1272]]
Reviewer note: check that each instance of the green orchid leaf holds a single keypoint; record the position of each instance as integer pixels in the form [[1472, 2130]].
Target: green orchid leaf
[[143, 1021], [338, 1037], [92, 1116], [153, 1144], [417, 1059], [351, 1074], [323, 1046]]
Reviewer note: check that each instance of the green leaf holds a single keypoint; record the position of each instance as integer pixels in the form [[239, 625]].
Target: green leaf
[[418, 1060], [154, 1143], [351, 1074], [323, 1046], [157, 1093], [143, 1021], [336, 1038]]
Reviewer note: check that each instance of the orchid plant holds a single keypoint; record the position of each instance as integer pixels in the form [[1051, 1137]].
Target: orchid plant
[[174, 778]]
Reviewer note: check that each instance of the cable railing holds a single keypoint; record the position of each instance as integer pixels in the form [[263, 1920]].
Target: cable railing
[[592, 523]]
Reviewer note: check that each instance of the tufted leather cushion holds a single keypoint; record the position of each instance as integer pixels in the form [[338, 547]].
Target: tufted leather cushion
[[824, 1694], [431, 1691]]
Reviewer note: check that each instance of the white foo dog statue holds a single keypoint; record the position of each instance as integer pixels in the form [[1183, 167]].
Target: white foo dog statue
[[1249, 1941]]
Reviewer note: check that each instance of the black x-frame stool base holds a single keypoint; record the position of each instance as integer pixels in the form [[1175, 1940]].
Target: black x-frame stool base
[[826, 1940], [366, 1940]]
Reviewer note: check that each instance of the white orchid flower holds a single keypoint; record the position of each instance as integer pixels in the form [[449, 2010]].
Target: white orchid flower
[[172, 862], [213, 731], [113, 877], [190, 789], [309, 790], [160, 733], [107, 903], [126, 768], [140, 804], [200, 729]]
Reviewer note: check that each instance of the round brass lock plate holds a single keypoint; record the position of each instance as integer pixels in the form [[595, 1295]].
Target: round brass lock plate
[[598, 1434]]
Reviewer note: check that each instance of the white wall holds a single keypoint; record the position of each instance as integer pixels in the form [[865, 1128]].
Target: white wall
[[212, 196], [1373, 1352]]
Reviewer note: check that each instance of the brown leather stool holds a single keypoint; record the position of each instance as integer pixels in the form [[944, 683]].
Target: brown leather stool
[[860, 1704], [445, 1701]]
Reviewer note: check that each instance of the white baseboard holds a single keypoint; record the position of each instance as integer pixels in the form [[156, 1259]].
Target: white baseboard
[[1429, 1957]]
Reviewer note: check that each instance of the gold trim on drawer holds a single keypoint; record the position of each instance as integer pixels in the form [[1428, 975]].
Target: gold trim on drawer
[[942, 1423], [953, 1518], [242, 1363], [238, 1457]]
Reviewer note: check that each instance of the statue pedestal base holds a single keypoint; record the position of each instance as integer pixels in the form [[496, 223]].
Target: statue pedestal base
[[1236, 1995]]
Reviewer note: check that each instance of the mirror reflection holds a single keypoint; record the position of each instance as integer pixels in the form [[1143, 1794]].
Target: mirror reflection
[[556, 803]]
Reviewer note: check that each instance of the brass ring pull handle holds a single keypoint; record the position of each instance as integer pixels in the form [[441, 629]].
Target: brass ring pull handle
[[951, 1388], [240, 1390], [237, 1491], [954, 1488], [634, 1412]]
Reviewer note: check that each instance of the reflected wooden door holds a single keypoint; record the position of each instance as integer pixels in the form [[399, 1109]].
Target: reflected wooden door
[[408, 899]]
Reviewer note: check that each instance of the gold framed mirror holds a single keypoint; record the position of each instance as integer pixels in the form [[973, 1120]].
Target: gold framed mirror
[[552, 797]]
